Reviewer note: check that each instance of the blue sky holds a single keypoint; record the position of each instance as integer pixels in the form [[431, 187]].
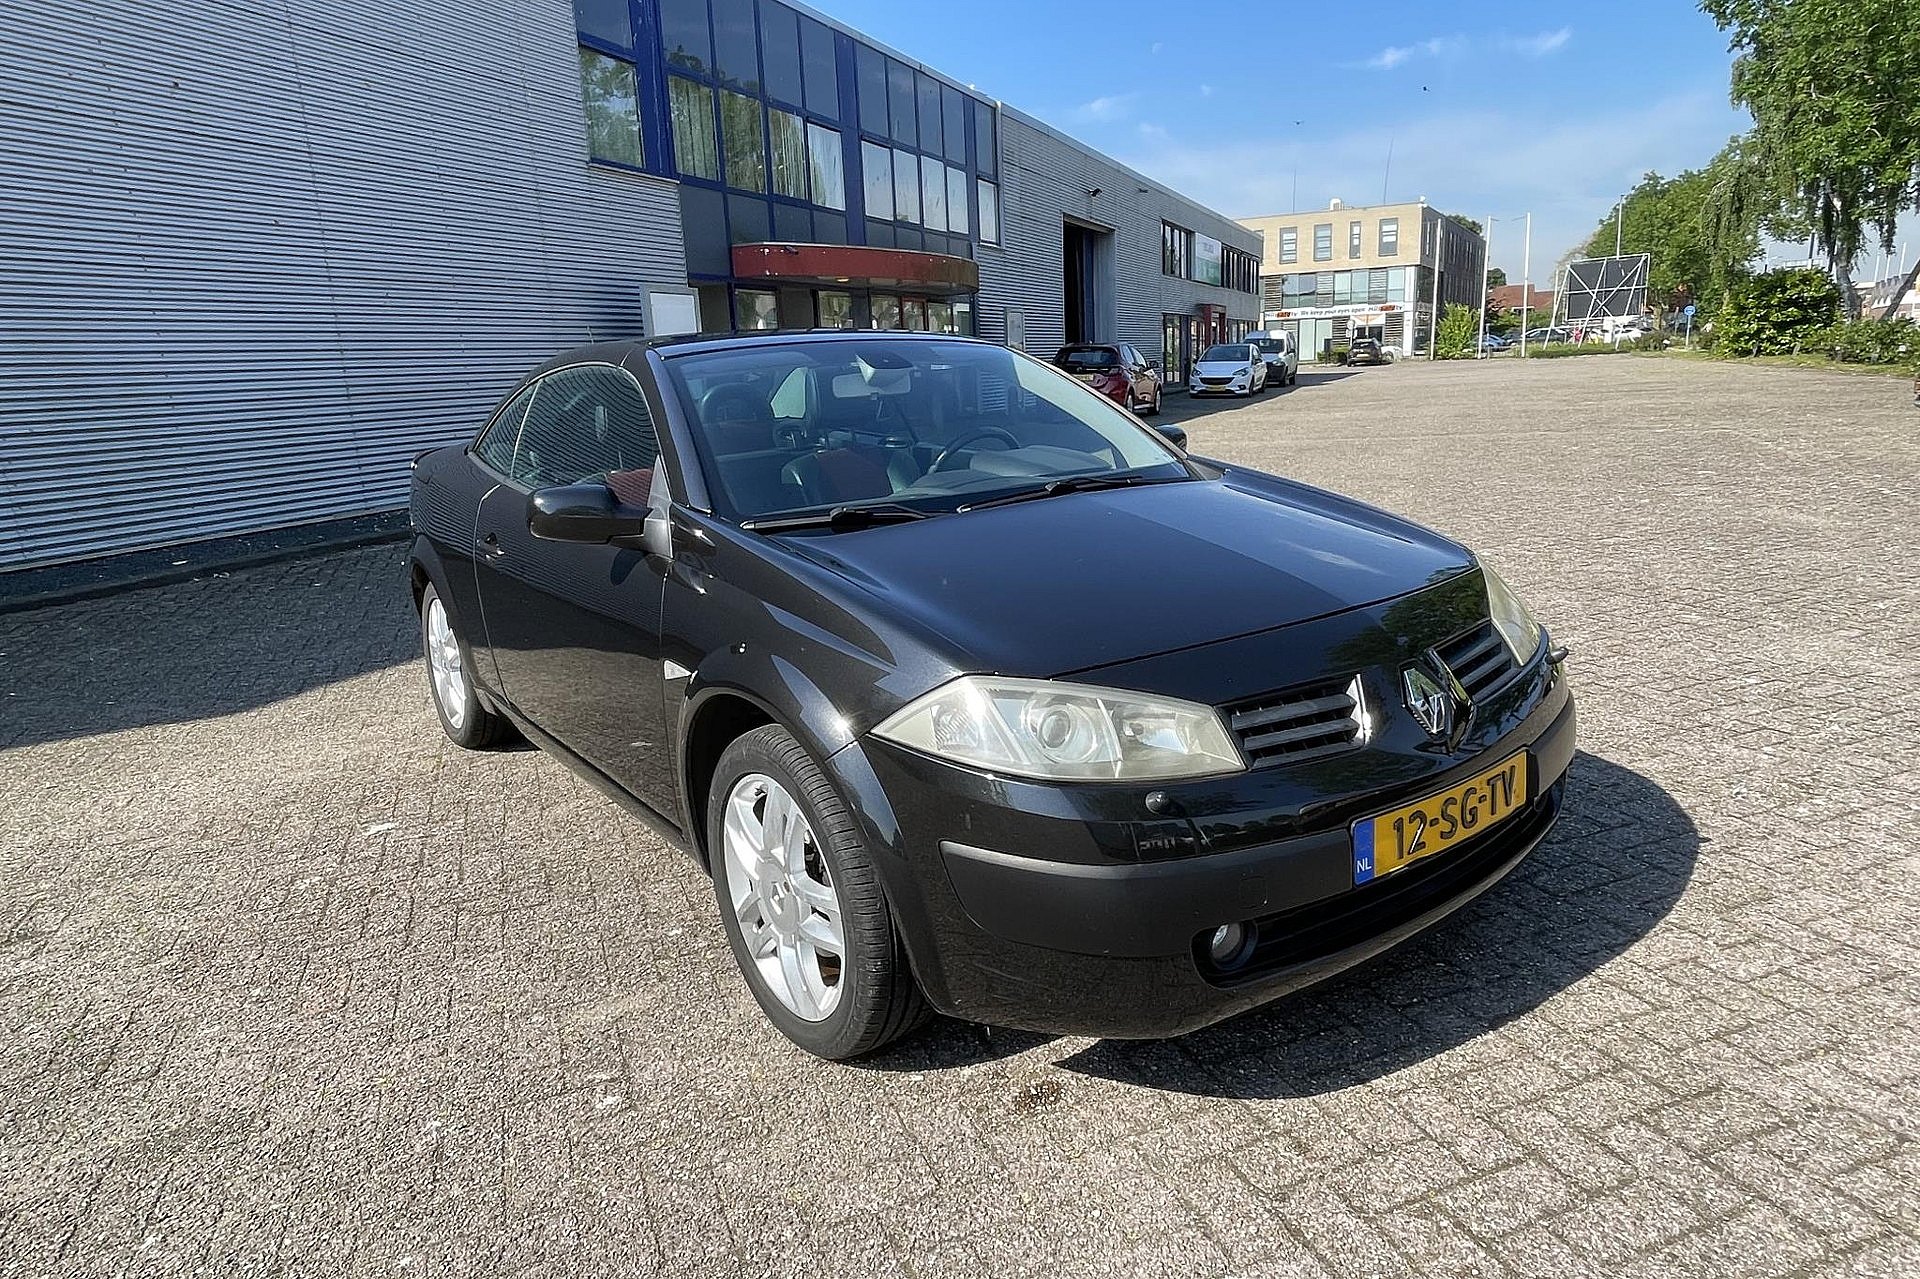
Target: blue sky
[[1235, 105]]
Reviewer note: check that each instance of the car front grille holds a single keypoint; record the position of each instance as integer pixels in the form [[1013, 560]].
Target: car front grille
[[1214, 381], [1479, 659], [1304, 722]]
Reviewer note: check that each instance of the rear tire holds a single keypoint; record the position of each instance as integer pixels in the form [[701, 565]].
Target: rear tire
[[456, 701], [789, 865]]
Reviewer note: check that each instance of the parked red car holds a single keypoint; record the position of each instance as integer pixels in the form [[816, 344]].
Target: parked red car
[[1117, 371]]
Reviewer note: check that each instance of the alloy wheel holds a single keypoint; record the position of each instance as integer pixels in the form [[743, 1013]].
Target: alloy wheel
[[443, 660], [781, 891]]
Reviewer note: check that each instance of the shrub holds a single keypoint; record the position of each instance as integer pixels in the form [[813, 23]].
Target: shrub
[[1894, 341], [1459, 333], [1556, 350], [1776, 312]]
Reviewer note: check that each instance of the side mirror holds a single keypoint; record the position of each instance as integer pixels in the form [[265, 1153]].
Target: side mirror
[[587, 513], [1173, 435]]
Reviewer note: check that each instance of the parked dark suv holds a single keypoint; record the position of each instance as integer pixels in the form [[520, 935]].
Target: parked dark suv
[[974, 694], [1117, 371]]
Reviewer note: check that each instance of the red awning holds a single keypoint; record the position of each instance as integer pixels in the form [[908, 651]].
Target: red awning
[[858, 265]]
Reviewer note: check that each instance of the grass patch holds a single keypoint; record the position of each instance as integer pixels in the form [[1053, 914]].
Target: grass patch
[[1798, 360]]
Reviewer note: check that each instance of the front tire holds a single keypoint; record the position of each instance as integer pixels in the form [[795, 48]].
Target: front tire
[[801, 905], [456, 701]]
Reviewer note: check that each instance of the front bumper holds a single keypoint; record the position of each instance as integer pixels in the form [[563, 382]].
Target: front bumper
[[1069, 910]]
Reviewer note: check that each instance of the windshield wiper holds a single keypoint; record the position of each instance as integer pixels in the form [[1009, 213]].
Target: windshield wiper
[[1068, 484], [839, 517]]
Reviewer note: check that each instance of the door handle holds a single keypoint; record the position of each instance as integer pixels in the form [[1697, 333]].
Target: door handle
[[490, 546]]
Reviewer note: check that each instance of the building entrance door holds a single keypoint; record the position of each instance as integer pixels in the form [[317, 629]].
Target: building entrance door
[[1081, 251]]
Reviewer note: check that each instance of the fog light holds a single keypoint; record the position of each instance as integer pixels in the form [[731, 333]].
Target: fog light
[[1229, 945]]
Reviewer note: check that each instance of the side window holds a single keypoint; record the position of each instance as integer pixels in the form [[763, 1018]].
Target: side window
[[496, 446], [589, 423]]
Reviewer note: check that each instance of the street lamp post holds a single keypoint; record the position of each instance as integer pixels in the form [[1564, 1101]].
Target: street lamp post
[[1486, 273]]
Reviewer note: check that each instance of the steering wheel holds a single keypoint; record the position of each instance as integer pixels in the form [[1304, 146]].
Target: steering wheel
[[979, 433]]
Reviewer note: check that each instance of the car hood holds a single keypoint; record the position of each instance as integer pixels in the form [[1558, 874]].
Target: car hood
[[1065, 584], [1220, 368]]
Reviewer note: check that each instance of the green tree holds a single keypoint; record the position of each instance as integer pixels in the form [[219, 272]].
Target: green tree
[[1472, 224], [1777, 312], [1459, 333], [1668, 219], [1834, 89], [1497, 278]]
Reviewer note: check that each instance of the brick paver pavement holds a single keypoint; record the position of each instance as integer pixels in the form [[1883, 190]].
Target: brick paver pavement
[[290, 985]]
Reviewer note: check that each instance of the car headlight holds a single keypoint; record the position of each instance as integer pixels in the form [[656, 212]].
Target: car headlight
[[1064, 732], [1513, 619]]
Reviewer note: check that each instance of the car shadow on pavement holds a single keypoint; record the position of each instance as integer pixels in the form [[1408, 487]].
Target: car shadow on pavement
[[1617, 862], [218, 645]]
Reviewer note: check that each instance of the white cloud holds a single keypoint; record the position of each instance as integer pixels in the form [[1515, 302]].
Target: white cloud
[[1394, 55], [1151, 132], [1539, 46], [1156, 47], [1568, 172], [1206, 91], [1105, 110]]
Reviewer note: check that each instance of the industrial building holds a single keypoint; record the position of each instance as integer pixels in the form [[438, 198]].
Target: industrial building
[[254, 257], [1331, 274]]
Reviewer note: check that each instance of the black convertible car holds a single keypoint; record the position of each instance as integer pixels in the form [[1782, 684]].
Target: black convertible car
[[972, 692]]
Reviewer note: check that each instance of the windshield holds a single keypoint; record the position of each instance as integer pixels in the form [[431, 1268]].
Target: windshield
[[1267, 346], [1080, 361], [1234, 353], [823, 423]]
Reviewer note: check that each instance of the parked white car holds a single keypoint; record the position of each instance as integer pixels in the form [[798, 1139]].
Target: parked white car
[[1228, 368], [1282, 356]]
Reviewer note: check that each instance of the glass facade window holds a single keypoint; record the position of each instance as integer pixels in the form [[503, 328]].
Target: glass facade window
[[913, 314], [609, 20], [1323, 242], [886, 311], [736, 47], [953, 111], [986, 141], [1289, 244], [754, 309], [696, 150], [740, 133], [1353, 239], [906, 186], [787, 136], [836, 309], [927, 92], [820, 68], [989, 212], [826, 167], [870, 81], [1389, 237], [933, 195], [1176, 251], [780, 52], [613, 109], [1397, 284], [901, 103], [1342, 287], [940, 317], [876, 178], [957, 220], [686, 34]]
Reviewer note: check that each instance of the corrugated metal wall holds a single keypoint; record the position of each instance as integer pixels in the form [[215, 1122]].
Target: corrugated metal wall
[[1045, 176], [254, 256]]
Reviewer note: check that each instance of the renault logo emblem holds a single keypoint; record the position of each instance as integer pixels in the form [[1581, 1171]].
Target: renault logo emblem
[[1431, 702]]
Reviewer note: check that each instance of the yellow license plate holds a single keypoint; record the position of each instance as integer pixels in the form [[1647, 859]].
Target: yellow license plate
[[1385, 843]]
